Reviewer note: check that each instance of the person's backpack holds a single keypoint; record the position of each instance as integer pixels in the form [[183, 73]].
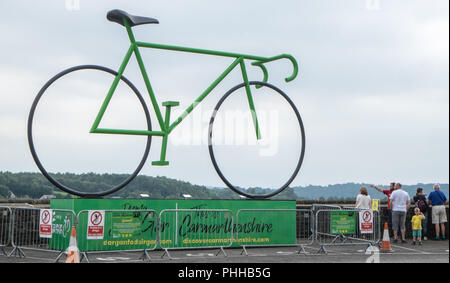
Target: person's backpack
[[422, 205]]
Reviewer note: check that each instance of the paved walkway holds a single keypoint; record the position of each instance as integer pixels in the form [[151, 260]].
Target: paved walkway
[[430, 252]]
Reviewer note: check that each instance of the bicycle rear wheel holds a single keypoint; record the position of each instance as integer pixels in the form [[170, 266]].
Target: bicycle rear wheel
[[53, 104], [283, 125]]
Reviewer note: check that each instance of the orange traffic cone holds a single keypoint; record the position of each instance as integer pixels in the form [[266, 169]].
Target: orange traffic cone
[[73, 254], [386, 244]]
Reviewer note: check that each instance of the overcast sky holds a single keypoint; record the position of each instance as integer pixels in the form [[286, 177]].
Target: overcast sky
[[373, 88]]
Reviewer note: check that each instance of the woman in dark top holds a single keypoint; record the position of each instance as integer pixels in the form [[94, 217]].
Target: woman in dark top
[[420, 201]]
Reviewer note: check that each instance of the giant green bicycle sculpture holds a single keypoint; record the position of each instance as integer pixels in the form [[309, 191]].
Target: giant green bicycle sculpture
[[128, 21]]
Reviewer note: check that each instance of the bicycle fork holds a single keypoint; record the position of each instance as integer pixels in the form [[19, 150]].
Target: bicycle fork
[[250, 100]]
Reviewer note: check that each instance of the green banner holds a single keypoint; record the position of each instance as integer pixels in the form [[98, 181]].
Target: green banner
[[343, 222], [62, 222], [120, 230], [211, 223]]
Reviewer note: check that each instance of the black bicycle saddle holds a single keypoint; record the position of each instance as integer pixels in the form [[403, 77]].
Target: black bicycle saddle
[[117, 16]]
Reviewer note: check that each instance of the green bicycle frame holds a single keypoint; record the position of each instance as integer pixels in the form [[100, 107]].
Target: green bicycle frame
[[165, 126]]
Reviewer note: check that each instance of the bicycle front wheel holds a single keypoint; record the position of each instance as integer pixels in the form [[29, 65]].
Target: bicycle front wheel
[[256, 168], [58, 132]]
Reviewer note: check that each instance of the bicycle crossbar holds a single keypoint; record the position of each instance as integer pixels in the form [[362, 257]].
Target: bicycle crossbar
[[259, 59], [199, 51]]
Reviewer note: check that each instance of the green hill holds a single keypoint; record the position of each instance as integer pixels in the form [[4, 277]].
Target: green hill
[[35, 185]]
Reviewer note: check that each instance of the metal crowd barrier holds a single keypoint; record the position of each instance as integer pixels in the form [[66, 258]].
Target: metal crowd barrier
[[123, 231], [377, 224], [254, 227], [195, 229], [342, 227], [25, 233], [5, 228], [316, 207], [184, 229]]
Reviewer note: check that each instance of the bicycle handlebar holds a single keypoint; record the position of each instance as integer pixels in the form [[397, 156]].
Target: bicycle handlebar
[[282, 56]]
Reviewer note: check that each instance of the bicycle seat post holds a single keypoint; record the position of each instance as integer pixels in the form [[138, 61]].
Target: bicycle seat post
[[162, 160]]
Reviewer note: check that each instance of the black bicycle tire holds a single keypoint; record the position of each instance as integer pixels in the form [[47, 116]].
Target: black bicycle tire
[[35, 155], [211, 152]]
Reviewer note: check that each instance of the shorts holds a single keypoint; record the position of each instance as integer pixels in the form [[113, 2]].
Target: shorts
[[398, 218], [417, 233], [438, 214]]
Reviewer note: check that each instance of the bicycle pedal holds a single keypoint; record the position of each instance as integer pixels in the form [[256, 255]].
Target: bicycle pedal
[[170, 103], [160, 163]]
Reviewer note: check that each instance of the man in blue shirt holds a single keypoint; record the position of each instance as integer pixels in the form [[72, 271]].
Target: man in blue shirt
[[437, 200]]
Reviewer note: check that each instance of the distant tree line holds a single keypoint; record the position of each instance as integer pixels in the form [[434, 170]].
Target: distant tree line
[[35, 185], [349, 191]]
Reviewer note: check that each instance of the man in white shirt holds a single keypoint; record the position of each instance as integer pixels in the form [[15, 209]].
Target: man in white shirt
[[399, 202]]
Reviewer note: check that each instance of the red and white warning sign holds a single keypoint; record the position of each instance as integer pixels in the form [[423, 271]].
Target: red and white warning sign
[[45, 223], [96, 223], [366, 221]]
